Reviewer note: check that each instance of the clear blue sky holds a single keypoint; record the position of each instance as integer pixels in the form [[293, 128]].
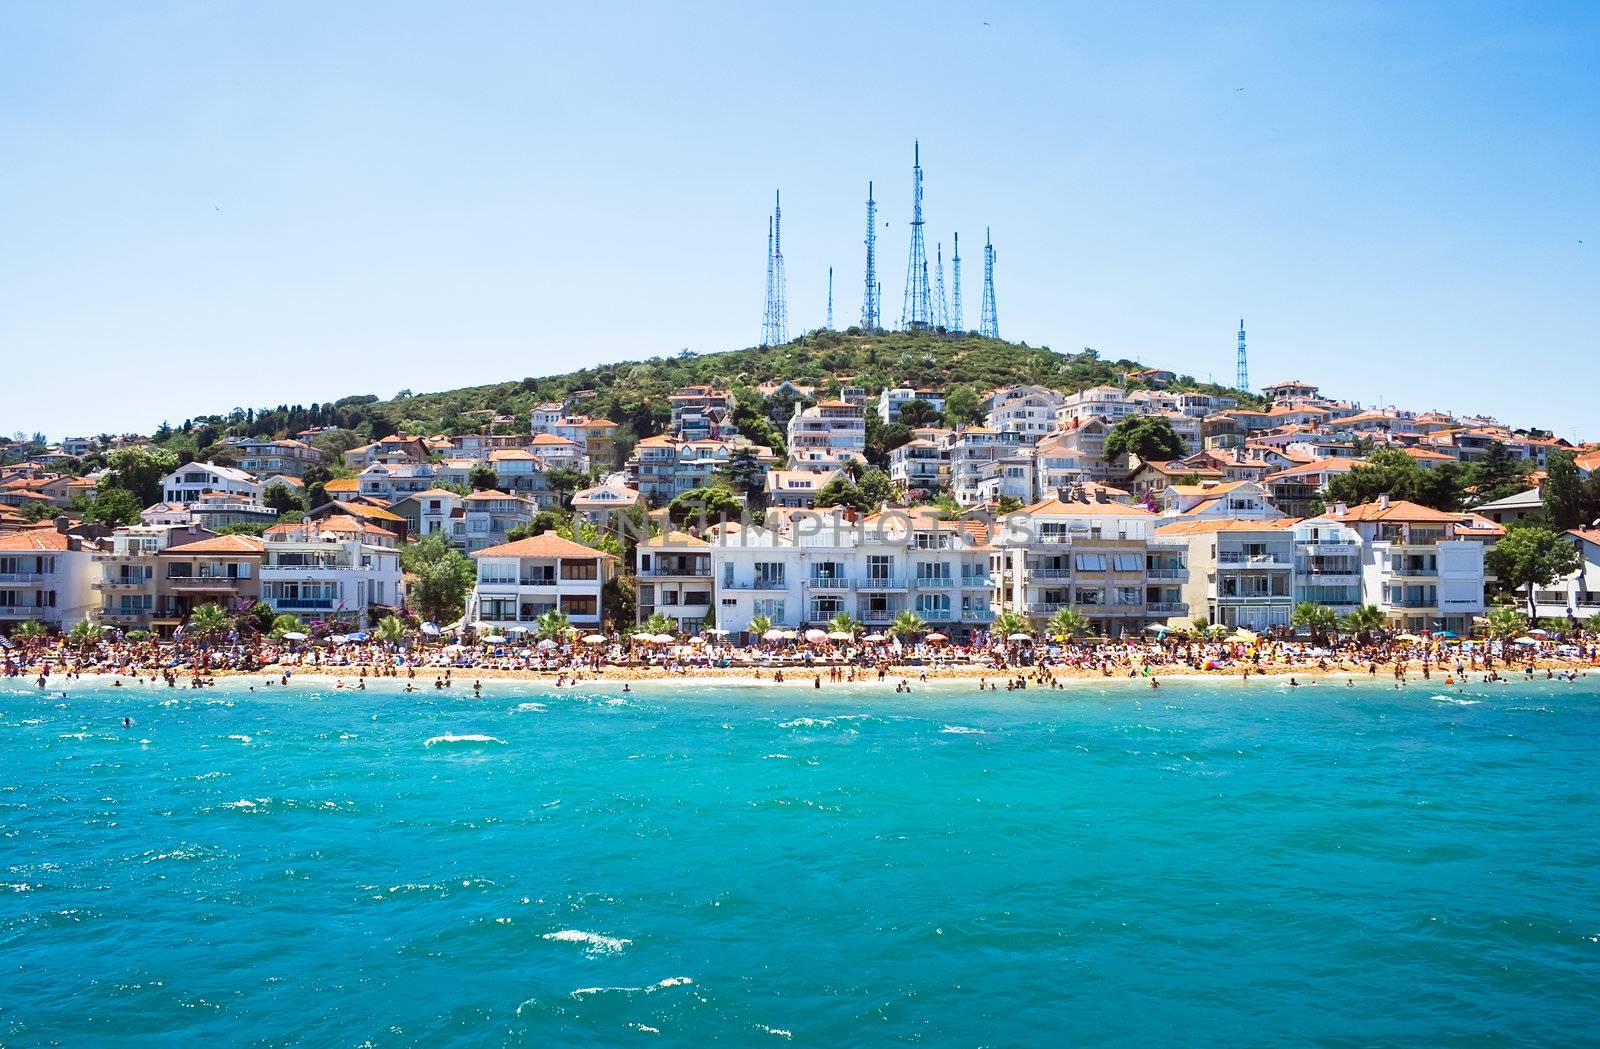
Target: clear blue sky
[[212, 204]]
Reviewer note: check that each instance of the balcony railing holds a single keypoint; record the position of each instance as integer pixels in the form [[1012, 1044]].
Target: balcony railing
[[829, 583], [21, 577], [120, 584], [23, 611], [878, 617], [935, 582], [1167, 573], [756, 584], [1228, 557], [302, 604], [977, 615], [204, 583], [1166, 608], [882, 583], [1049, 573]]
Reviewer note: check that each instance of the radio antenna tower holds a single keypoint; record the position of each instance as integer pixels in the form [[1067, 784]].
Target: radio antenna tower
[[955, 287], [1242, 382], [830, 298], [989, 321], [917, 311], [775, 327], [941, 308], [870, 320]]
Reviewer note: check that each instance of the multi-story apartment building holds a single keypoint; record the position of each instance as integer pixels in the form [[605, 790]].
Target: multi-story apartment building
[[920, 465], [1298, 490], [127, 567], [1070, 457], [1099, 558], [892, 398], [600, 503], [487, 516], [1327, 564], [393, 479], [971, 450], [1577, 594], [188, 483], [1012, 477], [828, 427], [518, 582], [1225, 499], [521, 472], [675, 579], [225, 570], [808, 568], [430, 511], [797, 489], [702, 413], [45, 575], [1413, 565], [1098, 402], [596, 438], [1029, 410], [289, 458], [1240, 572], [310, 571]]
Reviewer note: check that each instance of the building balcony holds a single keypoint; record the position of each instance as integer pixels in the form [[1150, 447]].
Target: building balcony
[[1401, 572], [302, 604], [20, 578], [682, 572], [1238, 560], [120, 584], [935, 582], [829, 583], [1166, 608], [25, 611], [878, 616], [977, 615], [1178, 574], [1255, 599], [881, 583], [1045, 608], [975, 582], [207, 584], [1049, 573]]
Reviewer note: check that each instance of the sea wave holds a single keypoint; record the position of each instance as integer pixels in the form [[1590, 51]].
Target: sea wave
[[594, 943], [962, 730], [471, 737]]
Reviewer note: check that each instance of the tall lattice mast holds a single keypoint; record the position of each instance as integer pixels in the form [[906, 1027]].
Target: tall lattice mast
[[768, 327], [830, 298], [941, 307], [955, 287], [779, 282], [989, 321], [1242, 381], [917, 310], [870, 301]]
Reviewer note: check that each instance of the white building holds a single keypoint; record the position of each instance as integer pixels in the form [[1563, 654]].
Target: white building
[[598, 504], [125, 571], [971, 450], [674, 579], [1022, 409], [919, 465], [829, 427], [1240, 572], [332, 568], [892, 399], [188, 483], [394, 479], [1575, 596], [518, 582], [45, 575]]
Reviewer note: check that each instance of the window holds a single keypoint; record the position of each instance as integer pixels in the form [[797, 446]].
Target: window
[[880, 566], [772, 608], [1091, 596], [1089, 562], [933, 606], [1128, 563], [1127, 595], [579, 604], [497, 572], [579, 569], [932, 571]]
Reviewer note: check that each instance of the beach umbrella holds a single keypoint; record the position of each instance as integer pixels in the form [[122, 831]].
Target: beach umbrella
[[361, 636], [665, 639], [1526, 641], [294, 635], [874, 637], [717, 632], [1445, 633], [935, 636], [839, 635], [816, 637], [1019, 636], [431, 629], [594, 639], [1540, 633], [697, 641], [1407, 637], [481, 625], [455, 648], [493, 639], [547, 644], [517, 630], [773, 635]]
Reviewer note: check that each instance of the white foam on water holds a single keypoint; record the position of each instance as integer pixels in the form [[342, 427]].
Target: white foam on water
[[806, 723], [242, 803], [780, 1032], [645, 1028], [473, 737], [594, 943], [962, 730], [530, 708], [241, 739], [616, 702], [774, 757], [1457, 701]]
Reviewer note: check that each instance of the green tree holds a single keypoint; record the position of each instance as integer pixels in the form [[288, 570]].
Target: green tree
[[843, 624], [1392, 472], [659, 624], [841, 491], [564, 481], [287, 623], [391, 629], [1530, 556], [282, 498], [1504, 621], [1150, 437], [444, 576], [883, 438], [552, 625], [1363, 621], [918, 412], [208, 619], [112, 507], [30, 630], [84, 634], [876, 488], [710, 504], [906, 625], [1563, 492], [759, 625], [1317, 620], [1068, 622], [961, 406], [139, 470], [1008, 623], [481, 478], [1498, 474]]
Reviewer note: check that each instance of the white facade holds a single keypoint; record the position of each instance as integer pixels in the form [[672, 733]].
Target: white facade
[[188, 483], [1027, 410], [518, 582], [831, 427], [316, 576], [892, 399], [1575, 596], [45, 575]]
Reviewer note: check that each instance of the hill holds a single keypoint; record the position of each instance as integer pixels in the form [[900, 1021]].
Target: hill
[[634, 393]]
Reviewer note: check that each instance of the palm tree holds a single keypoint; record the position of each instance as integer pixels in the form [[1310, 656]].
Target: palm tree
[[1008, 623], [287, 623], [659, 624], [759, 625], [1069, 622], [1200, 624], [1317, 620], [907, 624], [32, 630], [84, 634], [552, 625], [208, 619], [1363, 621], [391, 629], [843, 624], [1506, 621]]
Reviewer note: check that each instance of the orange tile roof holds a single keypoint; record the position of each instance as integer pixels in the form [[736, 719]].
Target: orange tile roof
[[545, 544], [40, 539], [1058, 507], [1397, 510], [221, 544], [342, 484], [1218, 524]]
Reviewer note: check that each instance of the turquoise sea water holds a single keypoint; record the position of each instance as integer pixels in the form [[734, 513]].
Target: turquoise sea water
[[1210, 864]]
